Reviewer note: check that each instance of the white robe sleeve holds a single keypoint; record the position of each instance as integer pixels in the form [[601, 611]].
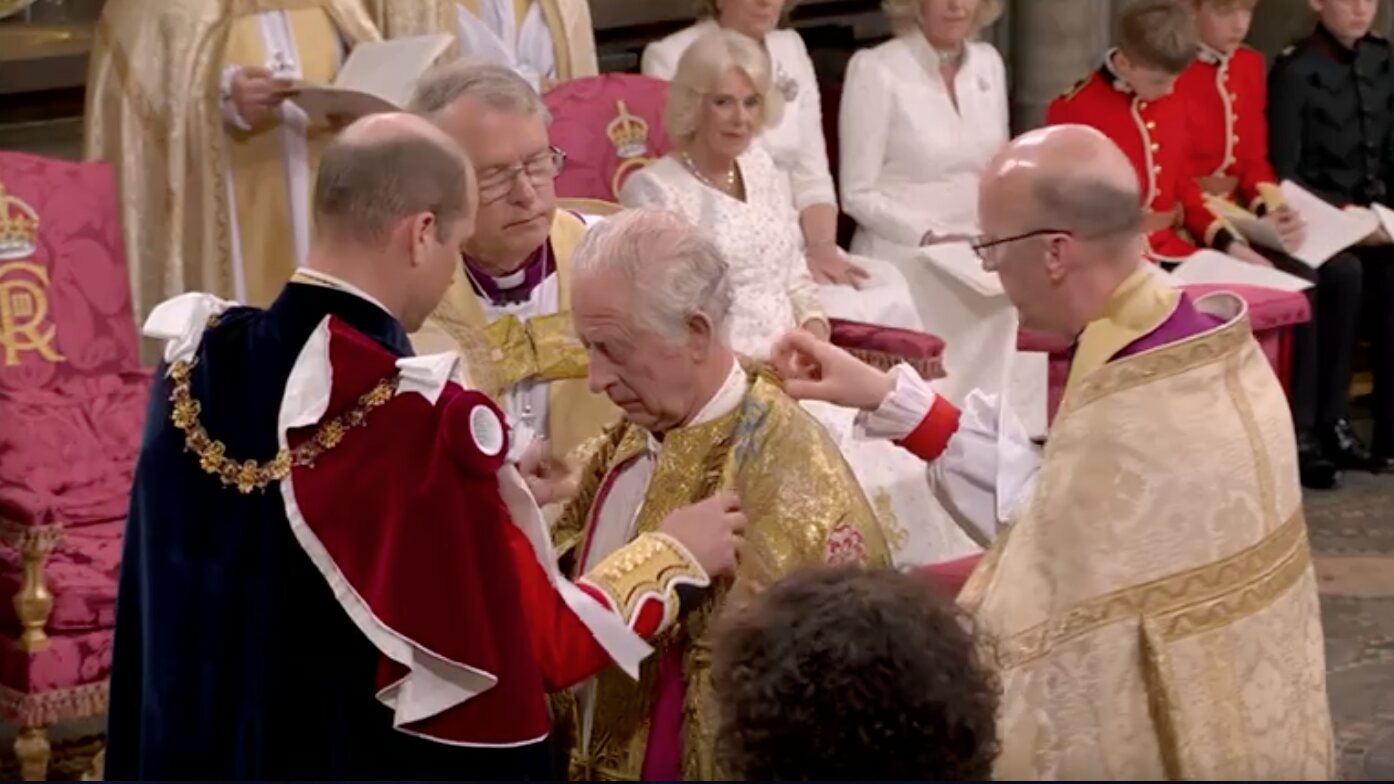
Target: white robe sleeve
[[987, 472], [864, 124], [811, 178]]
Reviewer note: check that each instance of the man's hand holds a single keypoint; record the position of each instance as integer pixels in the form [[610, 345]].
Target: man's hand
[[816, 370], [549, 477], [712, 530], [255, 92], [1289, 225], [818, 328], [1377, 237], [1248, 255], [828, 264]]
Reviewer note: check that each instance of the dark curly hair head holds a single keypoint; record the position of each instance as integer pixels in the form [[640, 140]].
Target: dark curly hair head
[[845, 673]]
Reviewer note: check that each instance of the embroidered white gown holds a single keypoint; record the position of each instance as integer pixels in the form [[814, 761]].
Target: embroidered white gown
[[760, 240]]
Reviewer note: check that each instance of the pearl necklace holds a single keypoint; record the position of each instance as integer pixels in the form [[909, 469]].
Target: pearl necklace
[[730, 187]]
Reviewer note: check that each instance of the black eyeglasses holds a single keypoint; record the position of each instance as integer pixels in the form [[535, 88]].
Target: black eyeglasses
[[540, 169], [980, 243]]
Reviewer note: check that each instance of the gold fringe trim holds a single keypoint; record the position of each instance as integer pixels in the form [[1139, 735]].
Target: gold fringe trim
[[39, 710]]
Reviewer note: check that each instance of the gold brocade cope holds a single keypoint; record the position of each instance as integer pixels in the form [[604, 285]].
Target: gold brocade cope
[[153, 112], [1137, 308], [801, 512], [1153, 613], [543, 348]]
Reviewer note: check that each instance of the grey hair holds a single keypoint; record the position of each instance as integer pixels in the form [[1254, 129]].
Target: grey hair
[[494, 85], [675, 270], [1088, 205]]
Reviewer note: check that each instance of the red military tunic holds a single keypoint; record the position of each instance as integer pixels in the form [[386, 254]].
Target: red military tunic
[[1226, 97], [1153, 136]]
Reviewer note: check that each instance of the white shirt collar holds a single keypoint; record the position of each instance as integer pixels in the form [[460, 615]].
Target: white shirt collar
[[728, 396], [316, 277], [929, 56]]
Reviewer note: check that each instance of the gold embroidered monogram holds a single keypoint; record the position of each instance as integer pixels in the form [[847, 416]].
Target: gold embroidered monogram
[[24, 323]]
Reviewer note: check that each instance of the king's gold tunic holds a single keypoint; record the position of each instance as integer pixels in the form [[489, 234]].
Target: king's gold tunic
[[1154, 612], [804, 508]]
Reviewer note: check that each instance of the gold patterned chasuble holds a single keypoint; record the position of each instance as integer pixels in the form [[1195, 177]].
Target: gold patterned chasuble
[[1154, 612], [804, 508]]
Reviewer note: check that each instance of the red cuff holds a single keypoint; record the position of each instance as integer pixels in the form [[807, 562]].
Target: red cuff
[[646, 620], [931, 436]]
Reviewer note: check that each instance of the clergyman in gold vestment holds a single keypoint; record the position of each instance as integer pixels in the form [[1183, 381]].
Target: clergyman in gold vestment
[[650, 298], [508, 308], [546, 41], [209, 201], [1151, 606]]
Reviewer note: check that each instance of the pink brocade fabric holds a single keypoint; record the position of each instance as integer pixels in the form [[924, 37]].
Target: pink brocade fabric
[[67, 452], [74, 281], [582, 112], [70, 660]]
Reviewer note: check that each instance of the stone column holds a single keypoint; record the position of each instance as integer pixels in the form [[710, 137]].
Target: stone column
[[1051, 46]]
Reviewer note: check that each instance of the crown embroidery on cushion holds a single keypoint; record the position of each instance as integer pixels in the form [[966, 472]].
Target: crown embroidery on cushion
[[629, 133]]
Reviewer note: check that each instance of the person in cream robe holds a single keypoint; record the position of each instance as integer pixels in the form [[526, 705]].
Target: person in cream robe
[[1151, 605], [546, 41], [213, 199], [508, 308]]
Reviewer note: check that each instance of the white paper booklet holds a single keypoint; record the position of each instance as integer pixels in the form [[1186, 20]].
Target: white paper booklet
[[378, 76], [959, 260], [1209, 266], [1330, 229]]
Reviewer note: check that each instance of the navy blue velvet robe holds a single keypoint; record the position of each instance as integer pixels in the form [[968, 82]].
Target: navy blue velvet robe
[[232, 658]]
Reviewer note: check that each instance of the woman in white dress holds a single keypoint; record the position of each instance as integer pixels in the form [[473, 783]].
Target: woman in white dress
[[723, 94], [921, 116], [862, 289]]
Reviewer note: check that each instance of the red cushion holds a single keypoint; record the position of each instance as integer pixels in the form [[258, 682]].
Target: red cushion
[[66, 280], [885, 346], [67, 453], [80, 573], [48, 677], [583, 111], [950, 576]]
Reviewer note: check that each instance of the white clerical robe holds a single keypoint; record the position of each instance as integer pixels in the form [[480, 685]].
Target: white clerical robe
[[526, 401]]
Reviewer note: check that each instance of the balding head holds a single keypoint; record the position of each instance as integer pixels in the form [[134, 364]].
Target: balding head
[[1072, 186], [384, 168], [394, 202]]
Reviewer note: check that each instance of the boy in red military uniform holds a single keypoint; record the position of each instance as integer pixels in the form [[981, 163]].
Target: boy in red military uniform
[[1129, 98], [1225, 96]]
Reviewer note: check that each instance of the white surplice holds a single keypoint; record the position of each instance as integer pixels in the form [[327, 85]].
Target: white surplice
[[911, 162], [774, 293], [495, 35]]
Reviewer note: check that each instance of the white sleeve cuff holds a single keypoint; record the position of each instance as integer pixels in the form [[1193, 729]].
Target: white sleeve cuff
[[903, 409], [225, 103]]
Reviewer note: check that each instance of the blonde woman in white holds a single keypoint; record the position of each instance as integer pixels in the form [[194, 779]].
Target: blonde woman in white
[[724, 93], [921, 116], [850, 287]]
